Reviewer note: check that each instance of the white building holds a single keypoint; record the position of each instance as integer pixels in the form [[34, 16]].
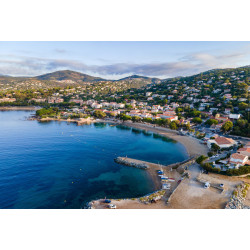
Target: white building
[[234, 116], [222, 142]]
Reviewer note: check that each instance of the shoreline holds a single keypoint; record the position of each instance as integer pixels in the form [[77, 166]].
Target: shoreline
[[17, 108], [191, 144]]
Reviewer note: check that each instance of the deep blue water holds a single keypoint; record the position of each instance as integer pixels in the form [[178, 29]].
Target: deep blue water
[[61, 165]]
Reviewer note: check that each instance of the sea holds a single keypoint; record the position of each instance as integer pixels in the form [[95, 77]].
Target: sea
[[59, 165]]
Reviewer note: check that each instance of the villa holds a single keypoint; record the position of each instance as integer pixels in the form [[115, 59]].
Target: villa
[[238, 159], [244, 151], [222, 142]]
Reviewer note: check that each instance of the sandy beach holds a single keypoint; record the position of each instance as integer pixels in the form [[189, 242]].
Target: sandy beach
[[192, 145]]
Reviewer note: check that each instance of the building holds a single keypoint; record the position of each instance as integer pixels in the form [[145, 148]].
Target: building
[[7, 99], [96, 105], [79, 101], [234, 116], [238, 159], [244, 151], [148, 94], [222, 142]]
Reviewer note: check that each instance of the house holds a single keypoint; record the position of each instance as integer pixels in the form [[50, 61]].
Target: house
[[38, 99], [227, 111], [7, 99], [244, 151], [234, 116], [173, 118], [96, 105], [222, 142], [55, 100], [76, 101], [134, 113], [168, 114], [238, 159], [221, 118]]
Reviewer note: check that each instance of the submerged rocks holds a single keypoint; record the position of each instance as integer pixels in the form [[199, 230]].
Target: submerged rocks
[[131, 163]]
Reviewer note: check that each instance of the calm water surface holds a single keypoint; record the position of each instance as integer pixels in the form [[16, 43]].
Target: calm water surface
[[61, 165]]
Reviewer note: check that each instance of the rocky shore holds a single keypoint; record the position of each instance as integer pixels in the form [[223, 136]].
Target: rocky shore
[[131, 162], [238, 198]]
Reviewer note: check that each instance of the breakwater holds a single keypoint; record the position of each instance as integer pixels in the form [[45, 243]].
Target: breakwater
[[132, 162]]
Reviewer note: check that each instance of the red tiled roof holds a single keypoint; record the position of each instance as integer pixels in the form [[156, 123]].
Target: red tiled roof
[[223, 140], [238, 156], [244, 150]]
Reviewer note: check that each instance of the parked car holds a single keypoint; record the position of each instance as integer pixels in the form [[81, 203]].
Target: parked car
[[112, 206], [207, 185], [221, 185], [107, 201]]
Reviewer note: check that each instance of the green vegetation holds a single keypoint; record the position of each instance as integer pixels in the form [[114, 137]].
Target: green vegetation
[[227, 126], [209, 167], [241, 128], [49, 112], [124, 117], [197, 120], [211, 122], [215, 147], [173, 125], [201, 158], [99, 114], [240, 171]]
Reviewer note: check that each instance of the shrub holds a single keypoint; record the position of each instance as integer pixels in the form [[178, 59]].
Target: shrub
[[240, 171], [210, 168], [210, 154], [201, 158]]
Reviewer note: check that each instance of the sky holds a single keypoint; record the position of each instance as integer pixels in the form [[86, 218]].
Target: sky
[[114, 60]]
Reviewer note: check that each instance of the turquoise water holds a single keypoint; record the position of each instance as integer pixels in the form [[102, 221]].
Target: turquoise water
[[62, 165]]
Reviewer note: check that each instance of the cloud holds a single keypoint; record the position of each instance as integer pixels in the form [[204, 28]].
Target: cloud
[[61, 51], [187, 65]]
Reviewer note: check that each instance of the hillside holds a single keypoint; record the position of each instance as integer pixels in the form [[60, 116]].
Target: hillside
[[137, 81], [72, 78], [65, 75]]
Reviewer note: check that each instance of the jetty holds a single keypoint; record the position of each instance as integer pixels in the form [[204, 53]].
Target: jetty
[[147, 165], [132, 162]]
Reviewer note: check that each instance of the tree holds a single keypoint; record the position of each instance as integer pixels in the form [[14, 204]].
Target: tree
[[215, 147], [201, 158], [242, 123], [136, 119], [99, 114], [128, 106], [243, 105], [149, 120], [227, 126], [197, 120], [211, 122], [173, 125], [125, 117]]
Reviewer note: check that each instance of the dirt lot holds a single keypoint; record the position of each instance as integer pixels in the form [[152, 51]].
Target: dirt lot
[[191, 194], [129, 204]]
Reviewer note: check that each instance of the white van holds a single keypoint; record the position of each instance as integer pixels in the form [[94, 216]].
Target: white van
[[207, 185]]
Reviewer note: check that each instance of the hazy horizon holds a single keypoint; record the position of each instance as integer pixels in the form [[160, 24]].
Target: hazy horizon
[[115, 60]]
